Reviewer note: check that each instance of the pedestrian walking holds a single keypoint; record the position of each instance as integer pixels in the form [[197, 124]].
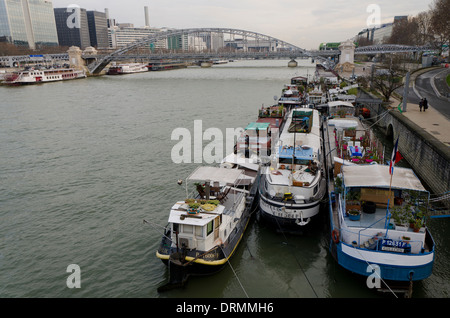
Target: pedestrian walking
[[425, 104], [421, 104]]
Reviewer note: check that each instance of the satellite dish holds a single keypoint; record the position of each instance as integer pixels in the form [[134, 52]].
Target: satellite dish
[[275, 97]]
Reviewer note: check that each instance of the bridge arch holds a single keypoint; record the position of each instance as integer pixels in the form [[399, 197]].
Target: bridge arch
[[294, 50]]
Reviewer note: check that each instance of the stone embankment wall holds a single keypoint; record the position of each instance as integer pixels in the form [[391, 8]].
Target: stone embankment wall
[[429, 158]]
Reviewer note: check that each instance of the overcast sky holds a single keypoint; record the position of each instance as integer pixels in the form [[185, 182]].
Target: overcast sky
[[299, 22]]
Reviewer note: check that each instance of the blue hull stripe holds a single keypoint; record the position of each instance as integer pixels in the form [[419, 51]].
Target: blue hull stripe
[[387, 272]]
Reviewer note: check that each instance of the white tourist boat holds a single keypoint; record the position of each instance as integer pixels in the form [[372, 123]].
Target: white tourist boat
[[205, 229], [293, 184], [129, 68], [42, 76]]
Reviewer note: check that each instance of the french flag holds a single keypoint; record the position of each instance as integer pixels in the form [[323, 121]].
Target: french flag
[[396, 157]]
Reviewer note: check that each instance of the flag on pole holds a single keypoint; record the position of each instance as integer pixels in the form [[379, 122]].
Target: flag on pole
[[396, 157]]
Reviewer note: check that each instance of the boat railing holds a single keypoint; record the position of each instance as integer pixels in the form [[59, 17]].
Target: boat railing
[[380, 241]]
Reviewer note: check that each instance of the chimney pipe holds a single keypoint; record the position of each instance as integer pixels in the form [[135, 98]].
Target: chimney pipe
[[147, 20]]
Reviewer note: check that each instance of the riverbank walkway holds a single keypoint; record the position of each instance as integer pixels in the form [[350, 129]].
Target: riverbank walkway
[[431, 121]]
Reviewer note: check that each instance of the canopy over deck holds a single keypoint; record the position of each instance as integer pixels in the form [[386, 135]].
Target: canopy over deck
[[340, 103], [222, 175], [377, 176]]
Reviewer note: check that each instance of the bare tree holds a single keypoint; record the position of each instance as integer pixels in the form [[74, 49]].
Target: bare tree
[[389, 77], [440, 21], [424, 28], [405, 32]]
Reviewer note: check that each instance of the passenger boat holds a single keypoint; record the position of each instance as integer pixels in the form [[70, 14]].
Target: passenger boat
[[293, 184], [370, 209], [204, 230], [42, 76], [130, 68]]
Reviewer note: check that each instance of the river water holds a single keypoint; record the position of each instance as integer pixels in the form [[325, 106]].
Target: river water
[[83, 163]]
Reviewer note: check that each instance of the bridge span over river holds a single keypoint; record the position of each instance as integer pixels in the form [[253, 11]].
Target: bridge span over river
[[269, 48]]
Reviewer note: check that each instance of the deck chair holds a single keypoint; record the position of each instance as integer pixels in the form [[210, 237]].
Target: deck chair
[[215, 189], [222, 196], [201, 191]]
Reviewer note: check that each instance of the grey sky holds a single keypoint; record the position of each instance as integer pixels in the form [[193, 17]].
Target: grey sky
[[299, 22]]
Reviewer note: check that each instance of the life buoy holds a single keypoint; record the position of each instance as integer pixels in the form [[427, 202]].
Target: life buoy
[[335, 236]]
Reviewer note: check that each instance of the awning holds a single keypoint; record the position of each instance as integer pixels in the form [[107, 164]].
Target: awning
[[340, 103], [377, 176], [248, 163], [222, 175], [342, 123]]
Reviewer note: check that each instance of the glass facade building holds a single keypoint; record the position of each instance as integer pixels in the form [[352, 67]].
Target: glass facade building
[[28, 22], [98, 29]]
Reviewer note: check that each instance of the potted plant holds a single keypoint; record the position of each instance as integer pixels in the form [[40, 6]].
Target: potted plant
[[338, 185], [417, 225], [400, 218], [354, 215], [193, 208], [353, 202], [350, 132]]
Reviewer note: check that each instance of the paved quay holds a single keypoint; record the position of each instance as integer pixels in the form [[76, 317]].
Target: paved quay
[[432, 121]]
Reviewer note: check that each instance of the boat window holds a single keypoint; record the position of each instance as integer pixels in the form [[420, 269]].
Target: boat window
[[209, 228], [199, 231], [316, 188], [188, 229]]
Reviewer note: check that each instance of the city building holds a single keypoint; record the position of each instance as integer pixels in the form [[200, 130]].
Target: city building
[[98, 29], [252, 45], [73, 27], [28, 22], [120, 36], [381, 34]]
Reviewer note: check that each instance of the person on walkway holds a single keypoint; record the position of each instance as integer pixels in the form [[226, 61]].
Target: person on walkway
[[425, 104], [421, 104]]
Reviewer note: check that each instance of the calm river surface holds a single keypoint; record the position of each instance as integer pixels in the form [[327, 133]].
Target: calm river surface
[[83, 163]]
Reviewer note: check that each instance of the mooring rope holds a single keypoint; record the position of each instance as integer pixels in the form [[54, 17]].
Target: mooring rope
[[228, 260]]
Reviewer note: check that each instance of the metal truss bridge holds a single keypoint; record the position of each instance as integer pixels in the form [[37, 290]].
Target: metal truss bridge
[[248, 38], [140, 49]]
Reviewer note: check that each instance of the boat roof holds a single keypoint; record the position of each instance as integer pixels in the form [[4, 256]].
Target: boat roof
[[272, 121], [304, 152], [248, 163], [340, 103], [377, 176], [201, 219], [257, 125], [311, 139], [343, 123], [222, 175]]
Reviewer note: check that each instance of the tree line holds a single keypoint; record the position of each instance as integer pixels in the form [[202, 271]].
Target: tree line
[[431, 27]]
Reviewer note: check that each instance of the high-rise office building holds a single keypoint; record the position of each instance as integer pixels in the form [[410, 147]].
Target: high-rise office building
[[72, 26], [28, 23], [98, 29]]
